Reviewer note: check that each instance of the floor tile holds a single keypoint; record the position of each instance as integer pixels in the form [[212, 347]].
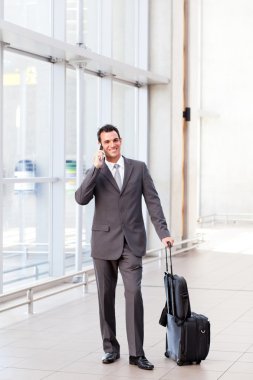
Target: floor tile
[[22, 374], [62, 339], [72, 376], [242, 367], [236, 376]]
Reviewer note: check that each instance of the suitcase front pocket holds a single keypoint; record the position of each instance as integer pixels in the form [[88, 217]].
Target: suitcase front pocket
[[203, 329]]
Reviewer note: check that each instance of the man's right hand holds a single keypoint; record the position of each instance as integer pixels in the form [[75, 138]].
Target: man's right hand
[[99, 159]]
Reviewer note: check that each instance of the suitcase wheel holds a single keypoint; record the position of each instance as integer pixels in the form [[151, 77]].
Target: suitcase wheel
[[198, 362], [166, 354], [179, 363]]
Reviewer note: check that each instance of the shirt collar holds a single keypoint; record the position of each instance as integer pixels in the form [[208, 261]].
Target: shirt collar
[[111, 164]]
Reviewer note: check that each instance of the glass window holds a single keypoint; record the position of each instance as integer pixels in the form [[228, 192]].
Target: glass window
[[26, 155], [89, 27], [123, 31], [31, 14], [25, 234], [71, 21], [70, 165], [30, 124], [26, 116], [89, 146], [123, 116]]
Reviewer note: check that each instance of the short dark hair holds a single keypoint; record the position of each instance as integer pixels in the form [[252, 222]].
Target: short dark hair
[[107, 128]]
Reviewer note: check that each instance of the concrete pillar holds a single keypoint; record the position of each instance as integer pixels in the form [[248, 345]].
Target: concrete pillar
[[166, 106]]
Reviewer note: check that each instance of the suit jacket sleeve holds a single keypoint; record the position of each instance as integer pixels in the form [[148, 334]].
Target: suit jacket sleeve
[[85, 192], [154, 205]]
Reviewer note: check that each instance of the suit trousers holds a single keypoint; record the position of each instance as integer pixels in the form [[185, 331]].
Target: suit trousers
[[106, 272]]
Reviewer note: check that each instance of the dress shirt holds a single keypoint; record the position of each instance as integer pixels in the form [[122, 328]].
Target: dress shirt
[[120, 162]]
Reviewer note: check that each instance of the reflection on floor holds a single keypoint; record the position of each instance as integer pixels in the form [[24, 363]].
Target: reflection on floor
[[62, 339]]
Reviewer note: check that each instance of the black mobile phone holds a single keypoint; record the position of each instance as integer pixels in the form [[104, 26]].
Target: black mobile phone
[[101, 148]]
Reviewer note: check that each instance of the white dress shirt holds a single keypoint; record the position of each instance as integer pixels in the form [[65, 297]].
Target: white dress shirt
[[121, 167]]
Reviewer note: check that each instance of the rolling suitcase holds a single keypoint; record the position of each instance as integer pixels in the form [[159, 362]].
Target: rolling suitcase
[[188, 343], [180, 296], [188, 333]]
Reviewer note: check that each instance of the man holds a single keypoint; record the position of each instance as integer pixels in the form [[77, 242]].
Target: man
[[118, 239]]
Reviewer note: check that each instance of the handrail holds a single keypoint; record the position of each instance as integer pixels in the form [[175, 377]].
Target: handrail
[[79, 278], [37, 274], [29, 179], [234, 217], [29, 289], [35, 265], [177, 246]]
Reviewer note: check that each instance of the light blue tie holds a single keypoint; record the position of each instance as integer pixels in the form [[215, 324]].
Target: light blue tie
[[117, 176]]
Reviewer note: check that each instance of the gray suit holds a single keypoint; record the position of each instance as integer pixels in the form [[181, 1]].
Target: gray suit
[[119, 241]]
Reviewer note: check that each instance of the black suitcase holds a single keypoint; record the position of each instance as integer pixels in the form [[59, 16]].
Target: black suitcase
[[179, 296], [189, 342], [188, 333]]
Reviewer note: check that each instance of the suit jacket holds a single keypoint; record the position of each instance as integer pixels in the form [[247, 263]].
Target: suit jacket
[[118, 214]]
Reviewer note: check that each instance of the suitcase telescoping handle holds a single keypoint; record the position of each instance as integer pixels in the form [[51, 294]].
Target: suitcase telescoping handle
[[169, 288], [166, 256]]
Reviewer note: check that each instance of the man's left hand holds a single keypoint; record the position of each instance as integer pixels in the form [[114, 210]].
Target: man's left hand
[[168, 240]]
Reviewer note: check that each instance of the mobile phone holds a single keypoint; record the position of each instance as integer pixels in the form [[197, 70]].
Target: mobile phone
[[101, 148]]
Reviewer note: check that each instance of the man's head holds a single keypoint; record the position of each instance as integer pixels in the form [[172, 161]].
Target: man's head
[[107, 128], [109, 138]]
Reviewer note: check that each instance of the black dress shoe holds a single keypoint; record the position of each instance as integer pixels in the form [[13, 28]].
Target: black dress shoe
[[141, 361], [110, 357]]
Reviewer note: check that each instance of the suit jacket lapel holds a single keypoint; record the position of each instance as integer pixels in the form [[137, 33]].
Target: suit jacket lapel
[[108, 175], [127, 172]]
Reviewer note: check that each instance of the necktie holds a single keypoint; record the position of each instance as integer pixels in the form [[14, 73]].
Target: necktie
[[117, 176]]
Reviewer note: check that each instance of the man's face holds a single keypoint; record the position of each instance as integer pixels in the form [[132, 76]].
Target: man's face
[[111, 145]]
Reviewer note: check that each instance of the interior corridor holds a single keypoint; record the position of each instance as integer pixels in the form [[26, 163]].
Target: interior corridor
[[62, 339]]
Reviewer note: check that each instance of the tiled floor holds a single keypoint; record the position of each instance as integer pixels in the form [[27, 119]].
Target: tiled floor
[[62, 339]]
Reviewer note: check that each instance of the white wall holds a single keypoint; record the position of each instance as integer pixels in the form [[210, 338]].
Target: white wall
[[226, 182], [220, 92]]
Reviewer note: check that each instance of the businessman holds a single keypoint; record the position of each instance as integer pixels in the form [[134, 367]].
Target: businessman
[[118, 240]]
